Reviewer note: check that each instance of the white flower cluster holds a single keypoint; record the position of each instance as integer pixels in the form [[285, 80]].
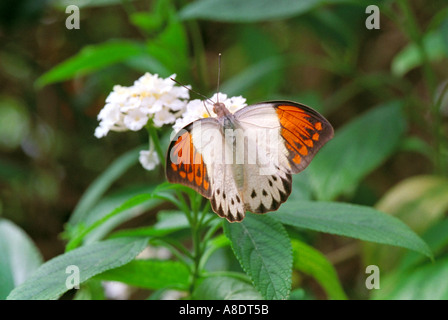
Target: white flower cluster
[[197, 109], [158, 99], [130, 108]]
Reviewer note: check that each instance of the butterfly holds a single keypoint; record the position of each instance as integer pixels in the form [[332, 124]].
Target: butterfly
[[245, 161]]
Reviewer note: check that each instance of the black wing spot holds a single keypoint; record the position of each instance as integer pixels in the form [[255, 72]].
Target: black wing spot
[[283, 196], [221, 212], [265, 193], [238, 199], [239, 216], [261, 208], [287, 186], [275, 204], [253, 194]]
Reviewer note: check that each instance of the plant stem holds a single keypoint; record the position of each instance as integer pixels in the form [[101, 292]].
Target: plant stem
[[199, 241], [215, 227], [175, 248], [154, 137], [232, 274], [197, 251]]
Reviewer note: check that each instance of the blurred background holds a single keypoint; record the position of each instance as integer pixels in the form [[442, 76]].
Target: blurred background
[[55, 80]]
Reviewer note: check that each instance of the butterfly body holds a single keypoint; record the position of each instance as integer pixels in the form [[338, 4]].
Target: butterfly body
[[245, 161]]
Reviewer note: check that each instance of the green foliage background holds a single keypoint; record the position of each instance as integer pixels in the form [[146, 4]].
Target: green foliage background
[[375, 194]]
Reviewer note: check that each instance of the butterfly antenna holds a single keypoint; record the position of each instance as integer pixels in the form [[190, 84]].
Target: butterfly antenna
[[219, 76], [199, 94]]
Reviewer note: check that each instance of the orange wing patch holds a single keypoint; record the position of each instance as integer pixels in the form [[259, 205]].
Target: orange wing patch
[[304, 131], [185, 165]]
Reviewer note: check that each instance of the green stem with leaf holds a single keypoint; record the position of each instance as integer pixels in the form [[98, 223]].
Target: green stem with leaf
[[194, 215], [155, 141]]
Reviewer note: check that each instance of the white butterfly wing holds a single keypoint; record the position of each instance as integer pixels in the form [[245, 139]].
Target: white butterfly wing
[[225, 198], [282, 139], [267, 178], [297, 132], [263, 193]]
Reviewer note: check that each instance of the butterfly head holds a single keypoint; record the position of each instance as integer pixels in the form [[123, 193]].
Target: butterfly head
[[220, 109]]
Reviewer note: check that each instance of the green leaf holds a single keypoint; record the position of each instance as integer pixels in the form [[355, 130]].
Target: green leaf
[[145, 63], [429, 282], [146, 21], [49, 281], [311, 262], [355, 221], [19, 257], [83, 232], [111, 202], [257, 43], [160, 12], [218, 255], [251, 76], [297, 294], [150, 274], [225, 288], [334, 27], [90, 59], [416, 144], [357, 149], [168, 222], [410, 57], [170, 48], [418, 201], [101, 184], [250, 10], [437, 239], [263, 249], [301, 187], [91, 290]]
